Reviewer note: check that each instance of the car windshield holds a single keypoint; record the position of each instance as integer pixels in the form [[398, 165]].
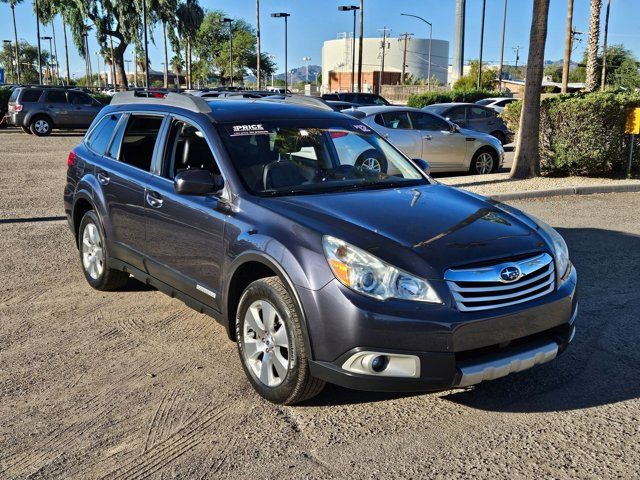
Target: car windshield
[[287, 158]]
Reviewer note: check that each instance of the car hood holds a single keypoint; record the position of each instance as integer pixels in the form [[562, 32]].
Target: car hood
[[438, 226]]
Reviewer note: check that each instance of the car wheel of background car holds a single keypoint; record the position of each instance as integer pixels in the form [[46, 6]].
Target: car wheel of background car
[[271, 344], [94, 256], [500, 136], [40, 126], [372, 160], [26, 130], [484, 161]]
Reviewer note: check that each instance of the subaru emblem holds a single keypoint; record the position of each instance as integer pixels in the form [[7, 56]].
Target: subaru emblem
[[510, 274]]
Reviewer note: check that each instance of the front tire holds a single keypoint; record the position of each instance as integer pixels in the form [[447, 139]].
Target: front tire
[[271, 344], [94, 256], [484, 161], [41, 126]]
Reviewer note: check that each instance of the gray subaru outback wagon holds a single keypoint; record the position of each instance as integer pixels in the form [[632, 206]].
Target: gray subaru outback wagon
[[321, 270]]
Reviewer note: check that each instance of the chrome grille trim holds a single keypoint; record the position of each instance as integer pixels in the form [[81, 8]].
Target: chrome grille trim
[[537, 273]]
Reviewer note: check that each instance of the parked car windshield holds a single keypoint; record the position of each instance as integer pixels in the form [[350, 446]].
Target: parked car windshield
[[286, 158]]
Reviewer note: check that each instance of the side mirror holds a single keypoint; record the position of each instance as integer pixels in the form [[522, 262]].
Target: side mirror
[[454, 127], [197, 182], [423, 165]]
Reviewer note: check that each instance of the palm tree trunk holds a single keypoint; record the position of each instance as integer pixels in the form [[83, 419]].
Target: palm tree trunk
[[568, 42], [66, 50], [603, 81], [592, 48], [258, 44], [15, 35], [527, 160], [166, 55], [55, 49]]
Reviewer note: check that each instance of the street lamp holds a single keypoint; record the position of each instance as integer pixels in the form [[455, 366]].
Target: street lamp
[[430, 39], [38, 36], [349, 8], [286, 71], [230, 22]]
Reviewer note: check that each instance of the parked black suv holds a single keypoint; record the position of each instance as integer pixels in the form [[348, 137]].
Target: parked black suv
[[39, 110], [252, 211]]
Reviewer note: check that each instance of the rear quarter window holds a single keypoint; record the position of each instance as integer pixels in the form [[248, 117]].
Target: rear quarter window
[[100, 137], [30, 96], [14, 95]]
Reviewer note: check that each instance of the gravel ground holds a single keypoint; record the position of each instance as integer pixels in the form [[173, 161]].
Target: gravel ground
[[134, 384]]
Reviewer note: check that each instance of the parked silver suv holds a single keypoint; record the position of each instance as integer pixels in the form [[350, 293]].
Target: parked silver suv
[[39, 110]]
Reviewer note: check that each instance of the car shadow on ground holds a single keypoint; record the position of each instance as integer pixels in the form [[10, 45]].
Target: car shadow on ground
[[601, 365]]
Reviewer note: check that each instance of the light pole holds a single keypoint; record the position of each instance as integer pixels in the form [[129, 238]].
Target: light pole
[[39, 47], [479, 82], [430, 41], [98, 65], [230, 22], [504, 28], [51, 57], [286, 71], [354, 8]]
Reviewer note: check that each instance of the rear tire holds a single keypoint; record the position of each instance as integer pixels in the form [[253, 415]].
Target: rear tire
[[41, 126], [271, 344], [484, 161], [94, 256]]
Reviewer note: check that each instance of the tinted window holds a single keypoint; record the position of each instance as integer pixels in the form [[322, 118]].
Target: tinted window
[[56, 96], [76, 98], [30, 96], [504, 103], [100, 136], [456, 114], [476, 113], [396, 120], [139, 140], [379, 120], [114, 149], [14, 95], [424, 121], [187, 149]]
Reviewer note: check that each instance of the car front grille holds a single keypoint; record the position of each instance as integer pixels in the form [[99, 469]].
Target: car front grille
[[489, 287]]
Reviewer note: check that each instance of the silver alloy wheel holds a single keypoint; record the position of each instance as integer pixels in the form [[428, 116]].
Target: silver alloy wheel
[[266, 343], [41, 126], [92, 251], [484, 163], [372, 164]]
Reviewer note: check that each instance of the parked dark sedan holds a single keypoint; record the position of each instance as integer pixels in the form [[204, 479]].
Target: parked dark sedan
[[473, 117]]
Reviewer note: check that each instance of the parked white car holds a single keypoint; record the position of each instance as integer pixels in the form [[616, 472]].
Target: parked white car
[[420, 134], [496, 103]]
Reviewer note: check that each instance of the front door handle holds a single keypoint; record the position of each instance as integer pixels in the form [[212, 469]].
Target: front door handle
[[103, 178], [154, 199]]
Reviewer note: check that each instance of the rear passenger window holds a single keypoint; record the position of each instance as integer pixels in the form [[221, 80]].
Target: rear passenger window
[[99, 138], [56, 96], [397, 120], [76, 98], [139, 140], [476, 113], [30, 96], [187, 149]]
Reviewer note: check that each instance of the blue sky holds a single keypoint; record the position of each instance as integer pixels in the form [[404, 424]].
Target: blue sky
[[313, 21]]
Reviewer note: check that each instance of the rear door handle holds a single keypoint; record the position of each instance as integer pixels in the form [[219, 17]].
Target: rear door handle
[[154, 199], [103, 178]]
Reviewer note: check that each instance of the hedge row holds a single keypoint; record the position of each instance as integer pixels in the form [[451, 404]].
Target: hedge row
[[446, 96], [582, 134], [102, 98]]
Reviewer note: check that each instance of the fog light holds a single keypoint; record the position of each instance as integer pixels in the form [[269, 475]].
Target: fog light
[[379, 363]]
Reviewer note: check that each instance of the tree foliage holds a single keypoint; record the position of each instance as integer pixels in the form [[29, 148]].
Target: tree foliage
[[470, 80], [28, 61]]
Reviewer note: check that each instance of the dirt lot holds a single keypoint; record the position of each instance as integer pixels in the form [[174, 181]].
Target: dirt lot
[[134, 384]]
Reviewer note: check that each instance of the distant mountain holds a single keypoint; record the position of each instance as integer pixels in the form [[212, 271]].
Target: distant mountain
[[299, 74]]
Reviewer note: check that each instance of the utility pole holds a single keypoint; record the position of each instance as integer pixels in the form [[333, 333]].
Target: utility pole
[[360, 45], [404, 55], [517, 49], [604, 48], [354, 9], [230, 22], [384, 31], [504, 28], [568, 42], [66, 50], [458, 40], [258, 44], [479, 82]]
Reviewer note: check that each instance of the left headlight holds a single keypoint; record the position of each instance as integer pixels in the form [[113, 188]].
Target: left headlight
[[368, 275], [560, 250]]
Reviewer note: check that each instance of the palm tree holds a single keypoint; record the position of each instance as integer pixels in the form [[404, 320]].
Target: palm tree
[[189, 16], [527, 161], [592, 48], [568, 41], [13, 4], [603, 82], [176, 67], [167, 15]]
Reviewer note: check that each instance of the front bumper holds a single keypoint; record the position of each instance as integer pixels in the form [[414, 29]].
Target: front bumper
[[454, 349]]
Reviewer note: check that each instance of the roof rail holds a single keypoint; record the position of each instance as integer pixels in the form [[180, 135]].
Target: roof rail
[[179, 100], [301, 100]]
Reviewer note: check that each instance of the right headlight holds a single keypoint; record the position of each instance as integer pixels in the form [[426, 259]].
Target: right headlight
[[368, 275], [559, 247]]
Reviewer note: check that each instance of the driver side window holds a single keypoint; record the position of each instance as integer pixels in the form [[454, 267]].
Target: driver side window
[[187, 149]]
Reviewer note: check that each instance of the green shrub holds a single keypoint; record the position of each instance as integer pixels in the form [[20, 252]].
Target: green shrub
[[102, 98], [447, 96], [583, 133]]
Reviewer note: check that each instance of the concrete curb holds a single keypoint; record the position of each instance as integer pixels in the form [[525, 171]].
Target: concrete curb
[[557, 192]]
